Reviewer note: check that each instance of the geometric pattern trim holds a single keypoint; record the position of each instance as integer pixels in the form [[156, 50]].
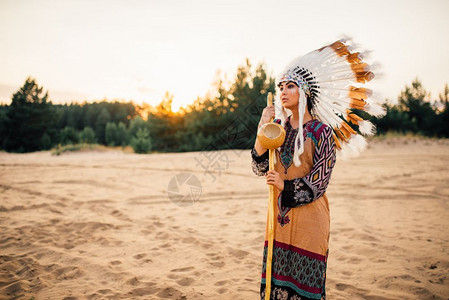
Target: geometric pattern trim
[[323, 161], [301, 271], [314, 184]]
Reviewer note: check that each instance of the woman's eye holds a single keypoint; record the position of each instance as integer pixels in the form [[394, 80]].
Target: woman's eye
[[290, 86]]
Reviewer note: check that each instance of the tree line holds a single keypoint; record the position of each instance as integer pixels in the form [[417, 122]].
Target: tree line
[[225, 119]]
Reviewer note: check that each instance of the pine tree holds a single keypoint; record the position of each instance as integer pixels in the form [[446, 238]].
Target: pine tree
[[414, 101], [68, 135], [142, 142], [30, 124], [87, 135], [122, 134], [111, 134], [100, 125]]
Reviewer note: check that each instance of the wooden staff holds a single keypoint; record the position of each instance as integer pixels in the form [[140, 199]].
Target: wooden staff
[[271, 136], [270, 217]]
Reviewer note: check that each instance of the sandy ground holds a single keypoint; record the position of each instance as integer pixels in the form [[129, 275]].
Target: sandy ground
[[101, 225]]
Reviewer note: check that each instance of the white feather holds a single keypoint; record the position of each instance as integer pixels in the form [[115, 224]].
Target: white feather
[[299, 141], [375, 109], [348, 151], [358, 142], [366, 127], [326, 118]]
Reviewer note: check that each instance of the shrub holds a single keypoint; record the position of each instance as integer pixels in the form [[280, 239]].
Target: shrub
[[111, 134], [122, 135], [68, 135], [87, 135], [141, 143]]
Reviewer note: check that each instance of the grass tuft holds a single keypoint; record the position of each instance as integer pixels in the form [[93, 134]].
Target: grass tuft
[[59, 149]]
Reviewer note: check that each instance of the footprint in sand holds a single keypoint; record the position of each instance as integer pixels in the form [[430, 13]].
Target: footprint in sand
[[215, 259], [104, 291], [166, 245], [140, 256], [171, 293], [237, 253], [207, 245], [231, 213], [146, 231], [218, 264], [365, 237], [148, 290], [222, 290], [162, 235], [341, 286], [68, 273], [189, 240], [120, 215], [221, 282], [352, 289], [186, 281], [133, 281], [214, 256], [158, 224], [173, 276], [186, 269]]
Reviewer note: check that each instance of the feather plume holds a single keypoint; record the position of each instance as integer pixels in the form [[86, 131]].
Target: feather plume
[[336, 78]]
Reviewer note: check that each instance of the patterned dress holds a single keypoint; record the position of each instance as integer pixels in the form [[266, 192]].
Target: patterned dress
[[301, 235]]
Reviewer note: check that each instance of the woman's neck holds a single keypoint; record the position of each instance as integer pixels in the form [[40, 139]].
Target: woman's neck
[[294, 119]]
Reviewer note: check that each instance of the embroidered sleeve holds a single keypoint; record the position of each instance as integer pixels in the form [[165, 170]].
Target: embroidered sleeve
[[301, 191], [259, 163]]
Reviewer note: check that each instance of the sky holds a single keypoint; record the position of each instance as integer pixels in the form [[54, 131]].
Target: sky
[[137, 50]]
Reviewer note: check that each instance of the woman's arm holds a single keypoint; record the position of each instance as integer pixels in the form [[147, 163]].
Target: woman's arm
[[259, 154], [259, 163], [301, 191]]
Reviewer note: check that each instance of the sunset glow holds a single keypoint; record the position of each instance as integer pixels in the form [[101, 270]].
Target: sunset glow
[[138, 50]]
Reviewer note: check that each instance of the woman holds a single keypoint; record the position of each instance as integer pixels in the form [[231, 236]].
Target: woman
[[302, 231], [311, 111]]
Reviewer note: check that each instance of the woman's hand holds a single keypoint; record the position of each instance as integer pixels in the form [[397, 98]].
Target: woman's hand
[[275, 179], [267, 114]]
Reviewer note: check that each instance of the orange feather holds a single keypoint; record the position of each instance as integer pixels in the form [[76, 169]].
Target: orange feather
[[359, 93], [337, 143], [357, 103]]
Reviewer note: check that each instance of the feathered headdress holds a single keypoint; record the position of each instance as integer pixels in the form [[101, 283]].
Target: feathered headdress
[[333, 78]]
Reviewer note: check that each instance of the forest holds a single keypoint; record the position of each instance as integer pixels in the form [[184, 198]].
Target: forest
[[225, 119]]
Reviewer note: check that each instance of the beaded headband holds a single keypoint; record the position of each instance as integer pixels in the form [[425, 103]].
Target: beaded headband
[[304, 79]]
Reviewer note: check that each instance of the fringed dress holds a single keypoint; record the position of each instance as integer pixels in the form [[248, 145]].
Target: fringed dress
[[301, 238]]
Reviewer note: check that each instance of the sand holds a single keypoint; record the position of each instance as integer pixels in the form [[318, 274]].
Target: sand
[[101, 225]]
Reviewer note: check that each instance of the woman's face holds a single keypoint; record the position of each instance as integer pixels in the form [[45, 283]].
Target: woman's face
[[289, 94]]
